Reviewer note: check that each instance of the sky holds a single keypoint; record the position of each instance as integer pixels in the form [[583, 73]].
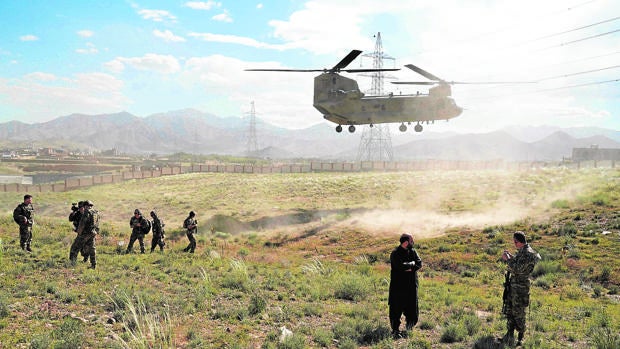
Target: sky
[[146, 57]]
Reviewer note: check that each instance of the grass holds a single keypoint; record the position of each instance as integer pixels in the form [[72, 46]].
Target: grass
[[310, 252]]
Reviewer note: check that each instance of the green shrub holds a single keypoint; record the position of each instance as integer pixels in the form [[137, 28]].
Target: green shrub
[[295, 341], [323, 337], [603, 338], [562, 203], [70, 334], [546, 267], [351, 287], [472, 324], [4, 308], [453, 333], [257, 304]]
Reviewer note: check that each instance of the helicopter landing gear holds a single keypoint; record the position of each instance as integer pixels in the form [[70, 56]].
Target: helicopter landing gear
[[351, 129], [339, 128], [402, 127], [371, 125], [418, 128]]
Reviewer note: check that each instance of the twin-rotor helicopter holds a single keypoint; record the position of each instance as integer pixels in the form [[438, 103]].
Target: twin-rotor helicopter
[[341, 101]]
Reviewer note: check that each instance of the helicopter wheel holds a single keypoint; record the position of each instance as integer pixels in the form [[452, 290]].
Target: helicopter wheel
[[351, 129], [418, 128], [371, 125], [338, 128], [402, 128]]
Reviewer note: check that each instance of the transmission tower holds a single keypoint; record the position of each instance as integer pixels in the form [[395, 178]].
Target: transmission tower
[[376, 142], [252, 143]]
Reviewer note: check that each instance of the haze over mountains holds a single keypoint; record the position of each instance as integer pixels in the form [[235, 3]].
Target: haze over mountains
[[195, 132]]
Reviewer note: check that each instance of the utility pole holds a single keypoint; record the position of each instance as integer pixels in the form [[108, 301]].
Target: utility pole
[[252, 143], [376, 141]]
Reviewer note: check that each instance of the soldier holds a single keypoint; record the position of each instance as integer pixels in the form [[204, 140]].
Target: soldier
[[403, 294], [158, 232], [87, 230], [138, 226], [191, 224], [520, 267], [74, 217], [24, 216]]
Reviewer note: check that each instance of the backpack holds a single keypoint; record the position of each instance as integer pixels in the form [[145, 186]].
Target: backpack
[[147, 227]]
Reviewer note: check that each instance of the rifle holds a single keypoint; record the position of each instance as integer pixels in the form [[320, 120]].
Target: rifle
[[506, 295]]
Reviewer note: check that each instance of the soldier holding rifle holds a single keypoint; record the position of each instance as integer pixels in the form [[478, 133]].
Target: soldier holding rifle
[[517, 292]]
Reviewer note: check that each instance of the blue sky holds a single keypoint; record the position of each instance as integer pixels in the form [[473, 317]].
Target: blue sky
[[146, 57]]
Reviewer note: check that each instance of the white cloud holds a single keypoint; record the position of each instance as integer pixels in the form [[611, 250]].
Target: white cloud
[[223, 17], [85, 33], [28, 37], [219, 73], [157, 15], [259, 6], [233, 39], [40, 76], [89, 50], [168, 36], [203, 5], [163, 64], [90, 93]]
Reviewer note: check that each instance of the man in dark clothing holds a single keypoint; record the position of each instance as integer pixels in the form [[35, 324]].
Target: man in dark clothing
[[403, 296], [158, 232], [23, 215], [191, 224], [74, 217], [87, 230], [137, 224], [520, 267]]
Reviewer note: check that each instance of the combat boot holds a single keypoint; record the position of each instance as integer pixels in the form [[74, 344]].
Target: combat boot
[[520, 338], [509, 338], [28, 248]]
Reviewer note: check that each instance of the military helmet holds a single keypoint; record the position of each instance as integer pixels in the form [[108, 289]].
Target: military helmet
[[88, 203], [80, 203], [136, 211]]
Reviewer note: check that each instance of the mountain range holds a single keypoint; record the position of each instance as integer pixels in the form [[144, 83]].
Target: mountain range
[[196, 132]]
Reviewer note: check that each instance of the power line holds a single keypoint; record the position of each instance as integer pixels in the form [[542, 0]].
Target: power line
[[579, 73], [575, 29], [580, 85], [579, 40]]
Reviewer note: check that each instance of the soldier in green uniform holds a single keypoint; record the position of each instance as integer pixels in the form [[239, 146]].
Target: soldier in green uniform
[[190, 223], [87, 230], [137, 224], [74, 217], [158, 232], [23, 215], [520, 267]]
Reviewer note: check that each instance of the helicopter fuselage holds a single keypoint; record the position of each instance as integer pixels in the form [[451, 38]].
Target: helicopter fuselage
[[340, 100]]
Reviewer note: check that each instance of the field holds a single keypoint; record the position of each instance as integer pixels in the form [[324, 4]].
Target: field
[[311, 252]]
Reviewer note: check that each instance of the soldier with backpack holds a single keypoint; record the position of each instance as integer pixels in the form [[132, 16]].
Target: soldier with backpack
[[190, 223], [87, 230], [23, 215], [158, 232], [140, 226]]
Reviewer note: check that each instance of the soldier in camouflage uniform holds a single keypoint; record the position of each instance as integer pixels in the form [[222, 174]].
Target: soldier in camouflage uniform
[[520, 267], [24, 216], [137, 224], [87, 230], [158, 232], [74, 217], [190, 223]]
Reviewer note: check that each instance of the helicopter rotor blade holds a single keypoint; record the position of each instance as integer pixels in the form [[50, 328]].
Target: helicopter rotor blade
[[369, 70], [414, 82], [423, 72], [287, 70], [461, 82], [346, 60]]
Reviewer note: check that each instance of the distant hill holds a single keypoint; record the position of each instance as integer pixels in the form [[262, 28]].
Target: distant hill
[[193, 131]]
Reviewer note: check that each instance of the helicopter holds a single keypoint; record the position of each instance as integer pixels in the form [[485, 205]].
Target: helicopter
[[341, 101]]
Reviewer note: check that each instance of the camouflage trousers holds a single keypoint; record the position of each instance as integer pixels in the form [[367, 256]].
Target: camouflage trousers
[[515, 310], [132, 240], [25, 236], [158, 240], [85, 244]]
